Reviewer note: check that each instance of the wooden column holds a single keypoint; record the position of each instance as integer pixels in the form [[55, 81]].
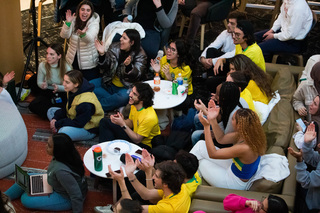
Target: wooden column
[[11, 44]]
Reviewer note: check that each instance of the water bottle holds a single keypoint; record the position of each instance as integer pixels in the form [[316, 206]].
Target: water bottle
[[157, 59], [180, 79], [97, 155], [156, 82]]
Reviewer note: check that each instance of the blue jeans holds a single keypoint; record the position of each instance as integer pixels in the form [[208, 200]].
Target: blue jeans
[[112, 98], [151, 43], [75, 133], [51, 202], [272, 46], [195, 137]]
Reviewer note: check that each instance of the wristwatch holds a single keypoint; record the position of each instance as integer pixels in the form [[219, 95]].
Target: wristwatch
[[124, 127]]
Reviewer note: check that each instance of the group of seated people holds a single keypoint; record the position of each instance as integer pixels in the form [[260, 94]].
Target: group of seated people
[[74, 91]]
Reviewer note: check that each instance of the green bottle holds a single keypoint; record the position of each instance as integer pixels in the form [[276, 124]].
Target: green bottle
[[97, 154]]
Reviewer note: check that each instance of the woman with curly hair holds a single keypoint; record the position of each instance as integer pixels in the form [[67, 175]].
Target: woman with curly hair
[[236, 164], [259, 81]]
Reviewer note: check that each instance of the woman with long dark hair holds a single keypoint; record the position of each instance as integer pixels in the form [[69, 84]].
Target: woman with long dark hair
[[173, 63], [259, 81], [82, 29], [65, 175], [80, 116], [123, 64], [229, 103], [49, 90]]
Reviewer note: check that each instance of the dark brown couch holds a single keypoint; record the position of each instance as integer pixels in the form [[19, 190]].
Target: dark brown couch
[[279, 128]]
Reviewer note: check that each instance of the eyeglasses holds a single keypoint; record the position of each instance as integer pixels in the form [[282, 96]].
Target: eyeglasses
[[171, 49], [237, 35], [261, 204]]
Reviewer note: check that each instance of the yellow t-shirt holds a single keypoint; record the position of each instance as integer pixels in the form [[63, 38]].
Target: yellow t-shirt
[[246, 95], [185, 72], [193, 184], [179, 203], [116, 81], [257, 94], [253, 52], [145, 123]]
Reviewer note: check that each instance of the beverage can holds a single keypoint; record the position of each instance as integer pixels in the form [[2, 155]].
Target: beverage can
[[97, 155], [175, 88], [185, 80]]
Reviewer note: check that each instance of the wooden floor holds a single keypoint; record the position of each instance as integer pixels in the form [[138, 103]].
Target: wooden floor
[[38, 158]]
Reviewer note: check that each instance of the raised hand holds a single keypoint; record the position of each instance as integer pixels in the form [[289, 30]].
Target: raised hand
[[83, 31], [128, 60], [297, 155], [8, 77], [310, 133], [166, 70], [115, 175], [157, 3], [147, 161], [219, 64], [99, 46], [199, 106], [70, 16], [155, 66], [213, 110], [203, 120], [130, 165]]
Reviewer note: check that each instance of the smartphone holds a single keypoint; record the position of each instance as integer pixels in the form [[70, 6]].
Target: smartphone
[[109, 175], [139, 151], [303, 126]]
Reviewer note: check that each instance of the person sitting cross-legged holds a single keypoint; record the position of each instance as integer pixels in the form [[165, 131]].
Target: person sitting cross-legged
[[142, 124], [245, 44]]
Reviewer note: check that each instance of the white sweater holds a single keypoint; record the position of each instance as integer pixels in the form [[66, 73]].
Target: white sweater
[[223, 41], [294, 20], [84, 47]]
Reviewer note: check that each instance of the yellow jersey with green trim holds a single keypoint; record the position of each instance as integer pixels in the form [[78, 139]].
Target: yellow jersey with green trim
[[193, 184], [145, 123], [253, 52], [184, 70], [179, 203]]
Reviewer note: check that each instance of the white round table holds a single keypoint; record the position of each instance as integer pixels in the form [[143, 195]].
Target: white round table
[[110, 158], [164, 98]]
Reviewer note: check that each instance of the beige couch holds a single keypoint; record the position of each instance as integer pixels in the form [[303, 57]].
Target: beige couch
[[279, 128]]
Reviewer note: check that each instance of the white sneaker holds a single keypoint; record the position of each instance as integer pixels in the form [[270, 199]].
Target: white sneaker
[[103, 209]]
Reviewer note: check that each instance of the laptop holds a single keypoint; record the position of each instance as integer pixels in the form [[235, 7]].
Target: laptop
[[35, 184]]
